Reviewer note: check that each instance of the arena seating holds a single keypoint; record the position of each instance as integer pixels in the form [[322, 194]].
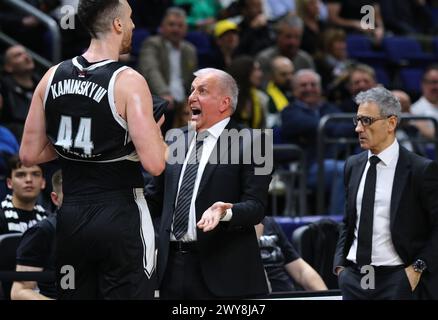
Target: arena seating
[[290, 224]]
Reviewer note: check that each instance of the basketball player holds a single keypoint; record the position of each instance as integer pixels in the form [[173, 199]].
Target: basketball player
[[96, 115]]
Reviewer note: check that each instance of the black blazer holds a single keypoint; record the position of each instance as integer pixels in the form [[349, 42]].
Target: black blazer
[[230, 256], [413, 216]]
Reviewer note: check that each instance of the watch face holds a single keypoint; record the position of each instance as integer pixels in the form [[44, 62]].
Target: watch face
[[419, 265]]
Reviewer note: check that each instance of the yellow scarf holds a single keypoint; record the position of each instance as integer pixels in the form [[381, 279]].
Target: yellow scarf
[[280, 100], [257, 112]]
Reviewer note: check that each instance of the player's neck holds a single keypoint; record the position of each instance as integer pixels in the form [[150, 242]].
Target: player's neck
[[101, 49]]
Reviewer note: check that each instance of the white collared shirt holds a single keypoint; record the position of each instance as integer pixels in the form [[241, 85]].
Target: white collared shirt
[[383, 252], [209, 143], [176, 83], [423, 107]]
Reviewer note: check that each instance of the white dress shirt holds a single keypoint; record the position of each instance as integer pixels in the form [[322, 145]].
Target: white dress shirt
[[209, 144], [383, 252], [422, 107], [176, 83]]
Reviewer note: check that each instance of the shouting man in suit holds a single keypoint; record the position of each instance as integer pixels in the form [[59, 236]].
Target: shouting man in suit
[[207, 245], [388, 248]]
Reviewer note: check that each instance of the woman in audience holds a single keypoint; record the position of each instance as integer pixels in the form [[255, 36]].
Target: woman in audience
[[252, 104]]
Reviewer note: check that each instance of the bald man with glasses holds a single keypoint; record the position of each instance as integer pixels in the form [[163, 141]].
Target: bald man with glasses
[[388, 246]]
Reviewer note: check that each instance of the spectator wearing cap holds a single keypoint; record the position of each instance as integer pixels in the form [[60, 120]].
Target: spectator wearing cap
[[226, 40]]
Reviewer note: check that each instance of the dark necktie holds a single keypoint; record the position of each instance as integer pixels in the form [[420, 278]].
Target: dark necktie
[[182, 210], [365, 232]]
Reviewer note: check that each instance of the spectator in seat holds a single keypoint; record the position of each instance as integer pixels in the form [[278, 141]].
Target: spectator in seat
[[332, 62], [408, 131], [36, 252], [289, 31], [18, 86], [282, 262], [279, 89], [309, 11], [254, 30], [427, 105], [19, 211], [360, 77], [252, 104], [167, 61], [226, 41], [348, 14], [299, 125]]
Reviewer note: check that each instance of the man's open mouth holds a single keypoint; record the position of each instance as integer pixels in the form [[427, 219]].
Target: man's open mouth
[[196, 111]]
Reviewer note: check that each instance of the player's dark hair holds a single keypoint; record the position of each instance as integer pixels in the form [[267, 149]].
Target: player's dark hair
[[97, 15]]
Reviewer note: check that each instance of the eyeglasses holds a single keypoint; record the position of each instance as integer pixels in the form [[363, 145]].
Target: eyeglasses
[[367, 121]]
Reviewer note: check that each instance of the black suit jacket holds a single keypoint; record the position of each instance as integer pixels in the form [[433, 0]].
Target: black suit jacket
[[230, 257], [413, 213]]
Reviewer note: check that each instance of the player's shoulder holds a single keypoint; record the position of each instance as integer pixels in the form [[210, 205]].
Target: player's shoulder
[[130, 77], [130, 73]]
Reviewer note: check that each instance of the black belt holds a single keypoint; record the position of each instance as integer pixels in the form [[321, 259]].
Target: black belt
[[181, 246], [377, 269]]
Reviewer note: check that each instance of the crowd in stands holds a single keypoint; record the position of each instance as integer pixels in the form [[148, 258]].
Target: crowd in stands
[[294, 61]]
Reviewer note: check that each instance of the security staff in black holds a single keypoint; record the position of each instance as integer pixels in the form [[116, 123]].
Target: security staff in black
[[104, 223]]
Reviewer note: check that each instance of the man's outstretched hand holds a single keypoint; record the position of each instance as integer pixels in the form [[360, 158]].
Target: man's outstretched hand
[[211, 217]]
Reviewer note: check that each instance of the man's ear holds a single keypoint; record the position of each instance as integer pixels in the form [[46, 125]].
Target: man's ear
[[55, 198], [43, 184], [393, 123], [9, 183], [225, 105], [117, 24]]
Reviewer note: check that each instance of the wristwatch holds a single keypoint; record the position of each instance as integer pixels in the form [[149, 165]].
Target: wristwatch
[[419, 265]]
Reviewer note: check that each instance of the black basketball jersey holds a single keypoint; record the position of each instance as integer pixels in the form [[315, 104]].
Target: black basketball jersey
[[90, 137]]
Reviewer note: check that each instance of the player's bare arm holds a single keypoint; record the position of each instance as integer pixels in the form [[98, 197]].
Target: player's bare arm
[[35, 146], [134, 103]]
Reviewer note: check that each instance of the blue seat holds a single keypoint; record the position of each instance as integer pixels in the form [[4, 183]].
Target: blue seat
[[138, 36], [435, 46], [404, 51], [382, 76], [199, 39], [360, 48], [289, 224], [202, 42], [411, 79], [434, 12]]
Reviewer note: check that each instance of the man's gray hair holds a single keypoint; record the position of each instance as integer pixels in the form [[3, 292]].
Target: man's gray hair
[[174, 11], [291, 21], [303, 72], [226, 81], [388, 104]]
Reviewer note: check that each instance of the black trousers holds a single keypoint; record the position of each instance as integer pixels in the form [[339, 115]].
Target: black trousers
[[183, 278], [382, 283]]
